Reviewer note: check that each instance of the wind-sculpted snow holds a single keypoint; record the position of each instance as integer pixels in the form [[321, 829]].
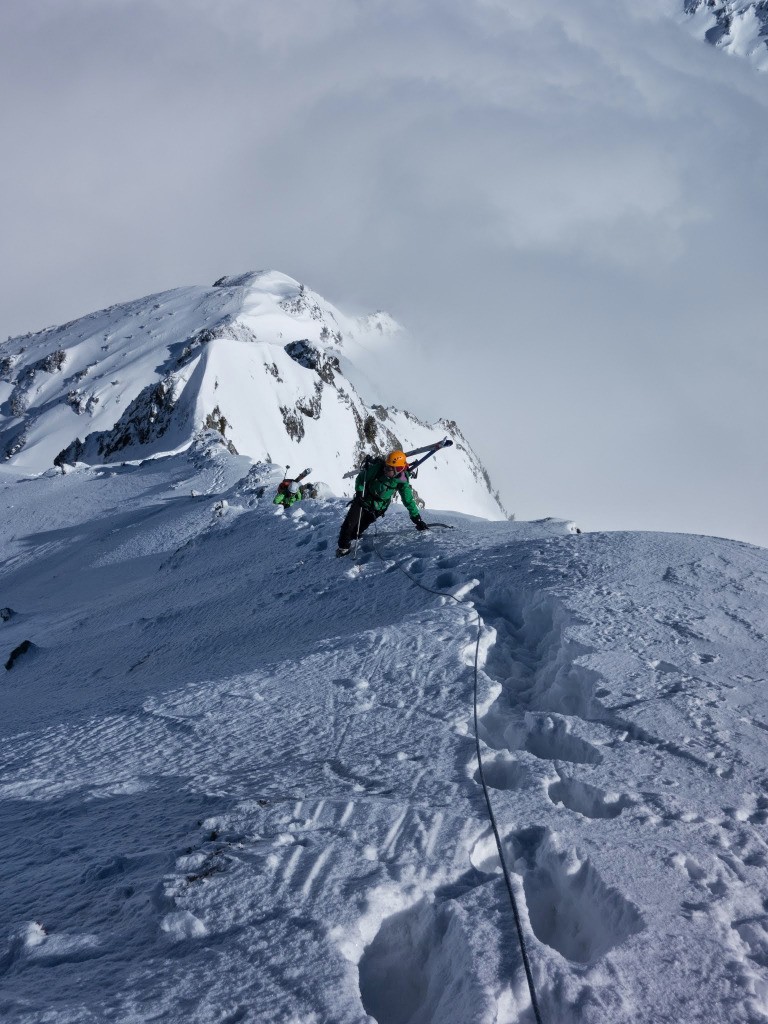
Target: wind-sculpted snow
[[239, 777]]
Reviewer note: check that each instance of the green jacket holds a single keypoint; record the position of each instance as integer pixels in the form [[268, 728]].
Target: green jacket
[[378, 490], [286, 499]]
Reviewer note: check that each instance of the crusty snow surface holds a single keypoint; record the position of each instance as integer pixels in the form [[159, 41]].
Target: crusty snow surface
[[239, 778]]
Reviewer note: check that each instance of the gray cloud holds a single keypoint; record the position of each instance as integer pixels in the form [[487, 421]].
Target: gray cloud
[[566, 204]]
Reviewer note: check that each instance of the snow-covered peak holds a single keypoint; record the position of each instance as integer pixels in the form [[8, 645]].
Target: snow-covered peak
[[738, 26], [264, 280], [266, 361], [264, 298]]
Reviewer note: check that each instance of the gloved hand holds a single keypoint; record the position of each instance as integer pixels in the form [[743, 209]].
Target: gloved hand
[[419, 523]]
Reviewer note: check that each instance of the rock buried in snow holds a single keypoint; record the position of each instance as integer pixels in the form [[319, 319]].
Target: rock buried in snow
[[181, 924], [24, 646], [6, 614]]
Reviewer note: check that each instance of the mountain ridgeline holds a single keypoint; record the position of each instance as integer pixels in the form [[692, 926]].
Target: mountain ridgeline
[[274, 369]]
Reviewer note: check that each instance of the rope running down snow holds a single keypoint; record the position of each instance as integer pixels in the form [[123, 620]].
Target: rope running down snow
[[491, 815]]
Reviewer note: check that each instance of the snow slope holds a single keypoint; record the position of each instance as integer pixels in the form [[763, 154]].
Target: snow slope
[[239, 778], [264, 360]]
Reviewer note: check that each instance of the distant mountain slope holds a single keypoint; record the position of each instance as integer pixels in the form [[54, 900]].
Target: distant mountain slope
[[260, 358], [738, 26]]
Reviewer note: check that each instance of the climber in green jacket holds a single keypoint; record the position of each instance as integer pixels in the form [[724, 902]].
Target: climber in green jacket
[[375, 486], [288, 493]]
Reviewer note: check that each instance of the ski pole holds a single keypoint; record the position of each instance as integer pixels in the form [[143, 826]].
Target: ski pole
[[362, 498]]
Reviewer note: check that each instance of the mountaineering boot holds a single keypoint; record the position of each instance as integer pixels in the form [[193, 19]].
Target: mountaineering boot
[[340, 552]]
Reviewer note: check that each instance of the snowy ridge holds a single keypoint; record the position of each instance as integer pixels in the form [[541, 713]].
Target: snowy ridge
[[239, 775], [265, 361], [738, 26]]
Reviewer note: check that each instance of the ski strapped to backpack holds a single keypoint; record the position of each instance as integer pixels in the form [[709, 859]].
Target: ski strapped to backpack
[[412, 468], [430, 449], [293, 479]]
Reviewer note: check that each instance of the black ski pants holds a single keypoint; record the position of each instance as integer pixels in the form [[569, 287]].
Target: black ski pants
[[356, 522]]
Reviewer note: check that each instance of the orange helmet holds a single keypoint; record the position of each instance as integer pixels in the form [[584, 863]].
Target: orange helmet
[[396, 459]]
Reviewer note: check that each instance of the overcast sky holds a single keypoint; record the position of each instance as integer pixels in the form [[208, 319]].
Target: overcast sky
[[565, 202]]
